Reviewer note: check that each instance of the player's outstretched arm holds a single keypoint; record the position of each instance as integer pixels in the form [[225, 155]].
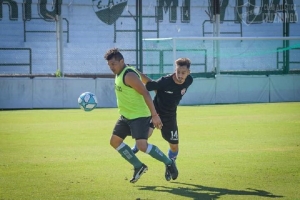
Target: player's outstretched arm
[[150, 84], [145, 79]]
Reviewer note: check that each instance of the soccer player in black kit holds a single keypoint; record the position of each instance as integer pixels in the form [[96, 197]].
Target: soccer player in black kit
[[169, 91]]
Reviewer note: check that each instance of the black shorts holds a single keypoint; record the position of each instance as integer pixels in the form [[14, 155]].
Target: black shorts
[[138, 128], [169, 130]]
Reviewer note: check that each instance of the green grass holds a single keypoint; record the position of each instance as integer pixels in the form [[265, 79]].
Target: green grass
[[244, 151]]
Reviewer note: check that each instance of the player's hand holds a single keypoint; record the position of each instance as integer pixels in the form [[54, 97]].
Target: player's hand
[[156, 121]]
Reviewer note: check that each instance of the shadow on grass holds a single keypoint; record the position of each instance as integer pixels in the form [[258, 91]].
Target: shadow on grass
[[204, 192]]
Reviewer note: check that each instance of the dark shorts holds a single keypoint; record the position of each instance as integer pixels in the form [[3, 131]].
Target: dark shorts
[[169, 130], [137, 128]]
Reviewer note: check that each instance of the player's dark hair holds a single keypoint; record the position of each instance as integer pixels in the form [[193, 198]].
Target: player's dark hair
[[113, 53], [183, 62]]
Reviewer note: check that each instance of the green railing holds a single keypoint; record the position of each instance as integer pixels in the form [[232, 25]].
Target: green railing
[[116, 30], [44, 31], [161, 64], [29, 63], [240, 33], [278, 61]]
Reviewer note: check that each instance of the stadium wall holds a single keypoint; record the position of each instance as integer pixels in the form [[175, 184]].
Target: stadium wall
[[90, 27], [29, 46], [36, 93]]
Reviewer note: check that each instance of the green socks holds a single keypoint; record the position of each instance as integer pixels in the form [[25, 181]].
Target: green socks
[[152, 150], [156, 153], [128, 155]]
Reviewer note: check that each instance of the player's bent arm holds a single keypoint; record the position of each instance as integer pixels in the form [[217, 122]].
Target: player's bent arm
[[152, 85], [145, 79], [131, 79]]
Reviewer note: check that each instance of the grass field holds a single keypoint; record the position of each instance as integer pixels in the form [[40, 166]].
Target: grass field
[[244, 151]]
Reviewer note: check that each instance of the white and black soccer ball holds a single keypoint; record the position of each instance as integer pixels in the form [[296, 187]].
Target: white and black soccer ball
[[87, 101]]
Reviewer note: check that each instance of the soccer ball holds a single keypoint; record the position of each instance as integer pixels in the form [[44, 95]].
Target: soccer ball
[[87, 101]]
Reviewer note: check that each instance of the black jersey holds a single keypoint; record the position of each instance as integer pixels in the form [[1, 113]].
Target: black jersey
[[168, 93]]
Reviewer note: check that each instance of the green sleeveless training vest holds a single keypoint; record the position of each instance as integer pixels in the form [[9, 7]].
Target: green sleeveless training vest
[[131, 104]]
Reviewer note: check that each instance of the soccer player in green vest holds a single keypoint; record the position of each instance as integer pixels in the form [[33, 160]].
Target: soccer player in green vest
[[137, 110]]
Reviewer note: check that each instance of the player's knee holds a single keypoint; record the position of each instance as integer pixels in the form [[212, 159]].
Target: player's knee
[[174, 147], [142, 145], [142, 148], [115, 141]]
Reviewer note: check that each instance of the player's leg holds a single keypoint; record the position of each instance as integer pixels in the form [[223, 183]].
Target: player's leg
[[135, 148], [156, 153], [173, 151], [152, 150], [170, 133], [139, 130], [121, 130]]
